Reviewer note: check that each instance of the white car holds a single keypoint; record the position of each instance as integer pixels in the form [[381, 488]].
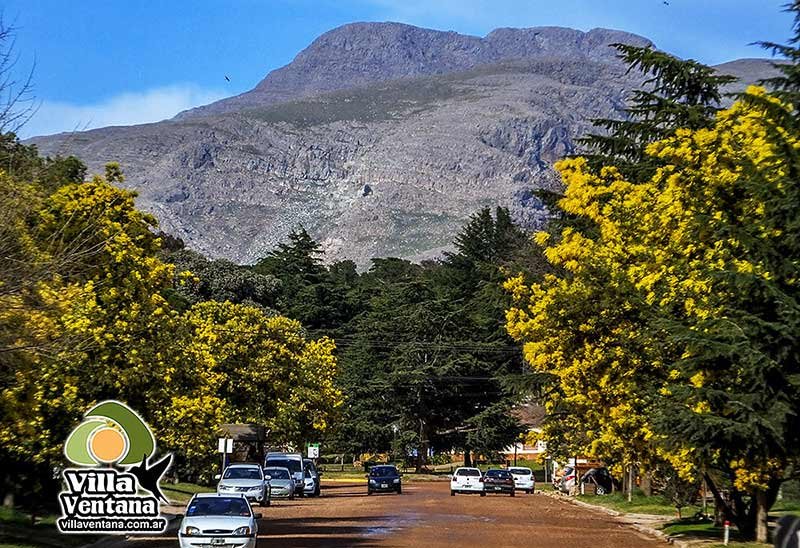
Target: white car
[[247, 480], [291, 461], [224, 521], [523, 479], [467, 480]]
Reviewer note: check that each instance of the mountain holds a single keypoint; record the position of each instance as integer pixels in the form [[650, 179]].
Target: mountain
[[379, 138]]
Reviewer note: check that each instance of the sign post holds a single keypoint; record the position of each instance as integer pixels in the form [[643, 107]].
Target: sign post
[[224, 447], [313, 450]]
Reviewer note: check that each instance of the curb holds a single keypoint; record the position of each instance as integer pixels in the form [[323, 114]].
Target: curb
[[661, 535]]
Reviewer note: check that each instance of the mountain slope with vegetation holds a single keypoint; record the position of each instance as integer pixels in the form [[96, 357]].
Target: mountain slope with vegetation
[[380, 139]]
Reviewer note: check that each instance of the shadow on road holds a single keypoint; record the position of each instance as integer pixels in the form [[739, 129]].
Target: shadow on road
[[321, 532], [329, 486]]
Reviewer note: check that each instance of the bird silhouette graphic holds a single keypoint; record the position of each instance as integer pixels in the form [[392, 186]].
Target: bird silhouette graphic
[[150, 475]]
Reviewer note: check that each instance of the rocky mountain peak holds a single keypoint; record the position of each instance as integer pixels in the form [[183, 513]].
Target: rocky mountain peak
[[359, 54]]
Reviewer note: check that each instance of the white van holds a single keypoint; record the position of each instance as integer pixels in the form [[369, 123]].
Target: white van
[[291, 461]]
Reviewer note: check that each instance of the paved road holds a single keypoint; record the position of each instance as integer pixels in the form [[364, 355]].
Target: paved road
[[426, 515]]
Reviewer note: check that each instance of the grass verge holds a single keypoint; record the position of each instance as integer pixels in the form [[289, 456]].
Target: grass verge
[[639, 504], [180, 493], [18, 531]]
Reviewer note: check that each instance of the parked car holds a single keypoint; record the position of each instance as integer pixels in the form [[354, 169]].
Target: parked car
[[212, 519], [567, 480], [467, 480], [598, 476], [246, 479], [281, 483], [523, 479], [311, 478], [601, 477], [498, 481], [384, 478], [292, 462]]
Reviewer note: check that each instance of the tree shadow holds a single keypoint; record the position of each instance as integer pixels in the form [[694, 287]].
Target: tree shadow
[[322, 532]]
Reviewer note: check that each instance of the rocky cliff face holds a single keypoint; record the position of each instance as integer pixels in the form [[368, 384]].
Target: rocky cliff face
[[381, 139]]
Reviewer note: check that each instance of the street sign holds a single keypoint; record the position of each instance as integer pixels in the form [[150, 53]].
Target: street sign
[[313, 450], [225, 445]]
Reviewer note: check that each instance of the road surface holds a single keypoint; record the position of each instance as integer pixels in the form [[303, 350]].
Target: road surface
[[426, 515]]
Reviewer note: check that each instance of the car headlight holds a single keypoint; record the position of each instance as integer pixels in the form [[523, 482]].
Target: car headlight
[[242, 531], [397, 480], [190, 531], [373, 481]]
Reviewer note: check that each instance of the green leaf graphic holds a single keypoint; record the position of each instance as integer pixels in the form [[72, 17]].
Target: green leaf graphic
[[141, 440], [76, 448]]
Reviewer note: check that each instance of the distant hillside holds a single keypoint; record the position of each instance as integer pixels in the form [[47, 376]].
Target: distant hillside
[[381, 139]]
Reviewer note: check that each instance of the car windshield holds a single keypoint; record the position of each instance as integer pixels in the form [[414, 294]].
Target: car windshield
[[520, 471], [218, 506], [277, 473], [501, 474], [469, 472], [383, 471], [291, 464], [249, 472]]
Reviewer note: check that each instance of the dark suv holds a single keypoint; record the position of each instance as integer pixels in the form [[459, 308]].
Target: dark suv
[[601, 478], [384, 479]]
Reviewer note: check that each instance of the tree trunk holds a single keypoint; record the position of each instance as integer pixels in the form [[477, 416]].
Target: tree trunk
[[467, 458], [762, 513], [647, 484]]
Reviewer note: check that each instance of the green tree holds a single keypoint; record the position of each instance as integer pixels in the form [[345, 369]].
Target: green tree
[[222, 280], [702, 256], [428, 355], [309, 291], [677, 94], [787, 85]]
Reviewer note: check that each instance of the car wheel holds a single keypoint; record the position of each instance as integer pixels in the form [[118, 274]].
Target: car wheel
[[399, 490], [483, 494], [512, 492], [600, 490], [316, 491], [268, 502], [369, 492], [291, 497], [452, 493]]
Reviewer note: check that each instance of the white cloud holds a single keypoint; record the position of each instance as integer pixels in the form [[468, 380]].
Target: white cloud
[[124, 109]]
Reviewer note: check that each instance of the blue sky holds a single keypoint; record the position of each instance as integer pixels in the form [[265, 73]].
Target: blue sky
[[116, 62]]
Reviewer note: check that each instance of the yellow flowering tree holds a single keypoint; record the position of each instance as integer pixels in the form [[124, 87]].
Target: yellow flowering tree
[[239, 365], [83, 317], [671, 326]]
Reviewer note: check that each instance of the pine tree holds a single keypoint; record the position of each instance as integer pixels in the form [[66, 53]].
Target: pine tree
[[787, 85], [677, 94]]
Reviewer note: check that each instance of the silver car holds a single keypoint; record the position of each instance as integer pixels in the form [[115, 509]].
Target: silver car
[[281, 482], [247, 480]]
